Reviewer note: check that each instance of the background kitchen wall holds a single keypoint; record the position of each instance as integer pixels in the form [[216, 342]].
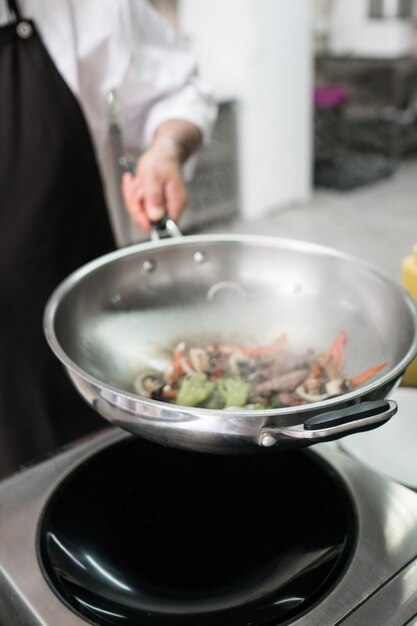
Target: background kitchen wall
[[259, 54]]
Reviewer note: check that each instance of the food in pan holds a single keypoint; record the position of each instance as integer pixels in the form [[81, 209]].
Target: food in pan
[[223, 376]]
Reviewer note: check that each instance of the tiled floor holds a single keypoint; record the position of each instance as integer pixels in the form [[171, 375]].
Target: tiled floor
[[377, 223]]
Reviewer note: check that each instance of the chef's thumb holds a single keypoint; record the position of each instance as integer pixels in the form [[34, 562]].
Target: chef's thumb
[[155, 213]]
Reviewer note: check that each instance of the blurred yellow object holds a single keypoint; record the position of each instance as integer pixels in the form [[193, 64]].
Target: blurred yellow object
[[409, 281]]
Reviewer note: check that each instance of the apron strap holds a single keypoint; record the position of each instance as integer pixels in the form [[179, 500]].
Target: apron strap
[[13, 6]]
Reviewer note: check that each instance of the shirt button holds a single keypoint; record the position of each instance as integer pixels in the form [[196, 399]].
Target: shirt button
[[24, 30]]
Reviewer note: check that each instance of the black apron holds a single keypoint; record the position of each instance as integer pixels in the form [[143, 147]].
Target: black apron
[[53, 219]]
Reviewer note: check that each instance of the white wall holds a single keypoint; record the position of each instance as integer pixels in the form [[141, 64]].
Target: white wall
[[352, 32], [259, 51]]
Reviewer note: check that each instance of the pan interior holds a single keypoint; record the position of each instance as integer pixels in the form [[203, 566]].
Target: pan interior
[[126, 316]]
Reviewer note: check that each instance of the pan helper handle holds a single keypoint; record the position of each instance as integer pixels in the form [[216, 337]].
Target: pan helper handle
[[331, 425]]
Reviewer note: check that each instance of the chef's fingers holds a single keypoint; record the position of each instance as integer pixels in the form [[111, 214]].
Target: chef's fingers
[[154, 197], [131, 193], [130, 189], [176, 196], [133, 196]]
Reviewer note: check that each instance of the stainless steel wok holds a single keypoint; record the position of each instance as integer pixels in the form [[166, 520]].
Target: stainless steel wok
[[125, 312]]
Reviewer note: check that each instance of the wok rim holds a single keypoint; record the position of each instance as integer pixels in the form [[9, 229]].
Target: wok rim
[[89, 268]]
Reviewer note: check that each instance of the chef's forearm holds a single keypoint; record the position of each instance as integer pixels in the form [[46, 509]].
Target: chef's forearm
[[184, 137]]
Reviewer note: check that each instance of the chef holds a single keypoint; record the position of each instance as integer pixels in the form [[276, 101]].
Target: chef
[[58, 62]]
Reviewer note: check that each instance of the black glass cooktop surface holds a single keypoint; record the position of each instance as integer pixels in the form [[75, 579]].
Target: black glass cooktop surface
[[140, 534]]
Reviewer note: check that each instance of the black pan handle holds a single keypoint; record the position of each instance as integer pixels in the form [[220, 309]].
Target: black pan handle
[[160, 224], [347, 416], [330, 425]]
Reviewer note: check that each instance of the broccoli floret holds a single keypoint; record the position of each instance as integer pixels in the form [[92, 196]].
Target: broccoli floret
[[234, 391], [215, 401], [194, 390], [276, 403]]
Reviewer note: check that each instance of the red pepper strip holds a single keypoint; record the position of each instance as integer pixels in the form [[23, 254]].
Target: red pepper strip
[[316, 372], [273, 347], [361, 378], [171, 394], [334, 353]]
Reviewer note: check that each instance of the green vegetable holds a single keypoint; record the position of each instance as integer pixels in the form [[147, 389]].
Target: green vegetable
[[276, 403], [234, 391], [215, 401], [194, 390]]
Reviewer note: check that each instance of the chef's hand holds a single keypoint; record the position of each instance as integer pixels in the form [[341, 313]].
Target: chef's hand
[[157, 189]]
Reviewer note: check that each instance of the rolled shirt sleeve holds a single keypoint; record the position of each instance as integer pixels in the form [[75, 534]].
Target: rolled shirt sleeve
[[124, 47], [161, 80]]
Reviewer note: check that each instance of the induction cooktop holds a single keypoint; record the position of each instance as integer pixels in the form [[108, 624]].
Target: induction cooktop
[[119, 530], [153, 535]]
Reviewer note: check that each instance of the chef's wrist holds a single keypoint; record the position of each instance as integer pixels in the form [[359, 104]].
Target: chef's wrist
[[172, 146]]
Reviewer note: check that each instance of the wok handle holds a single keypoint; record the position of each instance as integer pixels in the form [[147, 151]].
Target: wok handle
[[331, 425], [166, 224]]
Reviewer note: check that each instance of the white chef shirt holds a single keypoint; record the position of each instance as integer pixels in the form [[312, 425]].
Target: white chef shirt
[[122, 46]]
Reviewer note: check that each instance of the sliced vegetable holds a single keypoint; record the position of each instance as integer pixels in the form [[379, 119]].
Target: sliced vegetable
[[194, 390], [234, 391], [361, 378]]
